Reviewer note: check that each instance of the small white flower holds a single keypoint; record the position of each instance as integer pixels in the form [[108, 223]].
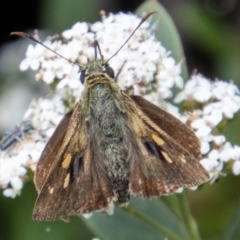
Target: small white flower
[[214, 118], [87, 215], [76, 31], [236, 167], [201, 127], [9, 192], [226, 152], [180, 190], [16, 183], [236, 158], [219, 140], [33, 55], [205, 147], [168, 76], [197, 88], [213, 166], [214, 154]]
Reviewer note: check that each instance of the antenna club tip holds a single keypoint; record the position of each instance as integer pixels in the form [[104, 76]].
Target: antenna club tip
[[145, 17], [148, 15], [152, 12], [21, 34], [13, 33]]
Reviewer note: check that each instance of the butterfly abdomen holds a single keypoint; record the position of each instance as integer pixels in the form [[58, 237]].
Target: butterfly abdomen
[[108, 130]]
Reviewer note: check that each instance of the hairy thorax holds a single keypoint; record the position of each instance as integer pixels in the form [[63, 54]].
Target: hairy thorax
[[108, 130]]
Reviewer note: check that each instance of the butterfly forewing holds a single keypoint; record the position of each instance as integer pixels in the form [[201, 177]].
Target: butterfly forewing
[[166, 164], [74, 181], [182, 134]]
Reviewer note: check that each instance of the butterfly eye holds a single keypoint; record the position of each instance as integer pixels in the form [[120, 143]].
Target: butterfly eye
[[82, 76], [110, 72]]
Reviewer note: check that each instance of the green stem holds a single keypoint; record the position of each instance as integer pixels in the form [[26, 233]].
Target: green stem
[[155, 225], [188, 220]]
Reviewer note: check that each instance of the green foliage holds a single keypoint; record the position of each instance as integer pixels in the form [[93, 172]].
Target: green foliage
[[214, 37], [59, 15]]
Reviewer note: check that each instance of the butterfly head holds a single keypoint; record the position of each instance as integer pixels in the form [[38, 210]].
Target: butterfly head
[[96, 65]]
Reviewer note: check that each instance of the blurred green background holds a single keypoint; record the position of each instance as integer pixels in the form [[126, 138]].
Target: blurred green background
[[209, 30]]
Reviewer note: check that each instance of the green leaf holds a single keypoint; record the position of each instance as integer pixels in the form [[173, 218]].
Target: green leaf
[[16, 221], [166, 31], [233, 230], [142, 219]]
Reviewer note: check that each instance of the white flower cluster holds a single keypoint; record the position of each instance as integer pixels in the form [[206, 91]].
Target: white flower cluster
[[141, 59], [24, 152], [218, 101], [145, 64]]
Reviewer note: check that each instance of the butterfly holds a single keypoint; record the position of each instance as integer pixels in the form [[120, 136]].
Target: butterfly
[[110, 146]]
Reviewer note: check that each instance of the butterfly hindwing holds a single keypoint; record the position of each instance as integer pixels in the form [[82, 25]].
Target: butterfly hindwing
[[50, 151], [83, 193]]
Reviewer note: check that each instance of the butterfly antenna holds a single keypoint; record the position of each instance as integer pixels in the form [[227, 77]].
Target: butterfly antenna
[[96, 45], [25, 35], [142, 21]]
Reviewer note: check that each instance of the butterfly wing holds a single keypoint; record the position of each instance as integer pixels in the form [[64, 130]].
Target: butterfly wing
[[75, 183], [182, 134], [165, 162]]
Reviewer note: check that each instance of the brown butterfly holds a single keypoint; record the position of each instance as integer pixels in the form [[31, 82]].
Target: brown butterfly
[[112, 145]]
